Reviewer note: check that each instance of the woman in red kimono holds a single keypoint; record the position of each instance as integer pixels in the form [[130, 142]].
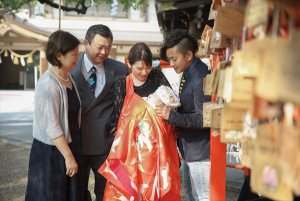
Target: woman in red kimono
[[143, 162]]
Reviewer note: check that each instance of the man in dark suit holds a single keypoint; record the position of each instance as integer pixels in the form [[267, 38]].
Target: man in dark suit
[[95, 75], [179, 48]]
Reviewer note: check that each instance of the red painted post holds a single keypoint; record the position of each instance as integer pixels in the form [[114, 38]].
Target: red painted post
[[218, 168], [217, 187]]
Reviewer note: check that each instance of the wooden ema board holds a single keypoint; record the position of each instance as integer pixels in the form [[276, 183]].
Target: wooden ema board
[[232, 122], [207, 113], [230, 22], [242, 93], [248, 147], [204, 34], [208, 49], [257, 12], [267, 172], [216, 115], [218, 40], [287, 150], [246, 63], [264, 110], [280, 73], [207, 85]]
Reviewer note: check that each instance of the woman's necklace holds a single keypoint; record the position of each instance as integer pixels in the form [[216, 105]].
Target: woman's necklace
[[66, 80]]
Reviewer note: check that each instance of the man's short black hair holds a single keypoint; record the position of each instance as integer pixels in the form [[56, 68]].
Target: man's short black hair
[[100, 29], [182, 39]]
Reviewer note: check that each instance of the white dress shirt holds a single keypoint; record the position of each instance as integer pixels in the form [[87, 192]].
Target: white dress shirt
[[86, 72]]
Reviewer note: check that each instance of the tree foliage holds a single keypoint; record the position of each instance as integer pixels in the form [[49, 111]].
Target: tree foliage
[[79, 6]]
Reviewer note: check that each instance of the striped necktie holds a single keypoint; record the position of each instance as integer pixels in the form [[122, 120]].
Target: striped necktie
[[181, 83], [92, 79]]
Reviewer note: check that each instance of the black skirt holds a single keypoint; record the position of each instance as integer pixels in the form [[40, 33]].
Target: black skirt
[[47, 179]]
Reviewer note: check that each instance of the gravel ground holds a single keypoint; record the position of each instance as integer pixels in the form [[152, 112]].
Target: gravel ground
[[14, 168]]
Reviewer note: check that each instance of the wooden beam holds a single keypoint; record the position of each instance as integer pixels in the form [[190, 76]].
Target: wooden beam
[[18, 40], [22, 48]]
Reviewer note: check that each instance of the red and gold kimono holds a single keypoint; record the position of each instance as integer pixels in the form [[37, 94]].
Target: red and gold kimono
[[143, 161]]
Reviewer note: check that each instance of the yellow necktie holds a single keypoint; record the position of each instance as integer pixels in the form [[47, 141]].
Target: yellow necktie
[[182, 83]]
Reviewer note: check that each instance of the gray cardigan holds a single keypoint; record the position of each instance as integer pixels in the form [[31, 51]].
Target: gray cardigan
[[51, 109]]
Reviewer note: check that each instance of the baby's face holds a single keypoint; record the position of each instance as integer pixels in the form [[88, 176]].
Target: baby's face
[[154, 98]]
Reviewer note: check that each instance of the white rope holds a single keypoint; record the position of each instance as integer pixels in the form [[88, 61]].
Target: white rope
[[114, 8]]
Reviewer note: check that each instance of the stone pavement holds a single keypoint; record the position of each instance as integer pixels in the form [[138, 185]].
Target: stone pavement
[[16, 114], [14, 168]]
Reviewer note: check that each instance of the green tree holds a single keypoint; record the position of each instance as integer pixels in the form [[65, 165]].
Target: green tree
[[81, 6]]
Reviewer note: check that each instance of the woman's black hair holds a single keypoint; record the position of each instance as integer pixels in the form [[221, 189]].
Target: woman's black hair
[[140, 52], [59, 41]]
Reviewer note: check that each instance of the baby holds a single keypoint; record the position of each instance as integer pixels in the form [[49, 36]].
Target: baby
[[165, 95]]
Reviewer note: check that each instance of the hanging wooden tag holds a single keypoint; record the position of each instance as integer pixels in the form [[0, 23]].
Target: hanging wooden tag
[[246, 63], [251, 58], [221, 83], [289, 144], [208, 49], [208, 41], [223, 64], [229, 22], [223, 71], [214, 81], [267, 175], [280, 74], [216, 75], [207, 88], [218, 40], [216, 117], [257, 12], [204, 33], [227, 84], [288, 147], [248, 154], [237, 63], [231, 125], [232, 119], [207, 113], [242, 93], [263, 109]]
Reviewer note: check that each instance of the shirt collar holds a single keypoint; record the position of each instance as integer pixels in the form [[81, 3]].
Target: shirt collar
[[88, 65], [191, 67]]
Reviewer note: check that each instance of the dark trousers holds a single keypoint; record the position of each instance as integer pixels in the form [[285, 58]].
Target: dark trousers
[[94, 162]]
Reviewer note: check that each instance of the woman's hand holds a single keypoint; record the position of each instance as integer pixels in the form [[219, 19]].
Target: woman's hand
[[63, 147], [71, 166], [162, 111]]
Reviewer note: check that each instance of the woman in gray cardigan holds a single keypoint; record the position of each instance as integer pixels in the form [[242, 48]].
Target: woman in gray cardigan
[[56, 155]]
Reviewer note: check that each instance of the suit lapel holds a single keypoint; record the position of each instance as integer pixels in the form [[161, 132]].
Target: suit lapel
[[109, 78], [191, 75], [82, 83]]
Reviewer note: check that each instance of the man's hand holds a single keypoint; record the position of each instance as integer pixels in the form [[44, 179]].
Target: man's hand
[[113, 131], [162, 111]]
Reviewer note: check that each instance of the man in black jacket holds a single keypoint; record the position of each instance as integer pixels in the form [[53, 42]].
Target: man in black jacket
[[95, 75], [179, 48]]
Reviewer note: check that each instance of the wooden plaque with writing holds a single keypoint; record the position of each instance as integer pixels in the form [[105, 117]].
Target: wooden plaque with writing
[[229, 22]]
